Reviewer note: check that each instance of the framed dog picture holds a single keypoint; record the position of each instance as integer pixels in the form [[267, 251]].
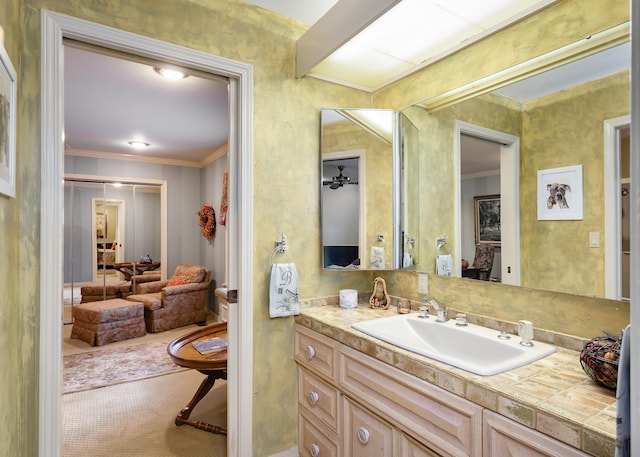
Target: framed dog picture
[[486, 211], [560, 193]]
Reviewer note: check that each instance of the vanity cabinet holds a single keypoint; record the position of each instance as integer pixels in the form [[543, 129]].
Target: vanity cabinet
[[353, 405], [506, 438]]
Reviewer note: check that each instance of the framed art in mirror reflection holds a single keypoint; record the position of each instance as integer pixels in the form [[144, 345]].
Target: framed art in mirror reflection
[[486, 209]]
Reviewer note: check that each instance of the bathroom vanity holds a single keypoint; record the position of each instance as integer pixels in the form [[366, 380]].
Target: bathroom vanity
[[359, 396]]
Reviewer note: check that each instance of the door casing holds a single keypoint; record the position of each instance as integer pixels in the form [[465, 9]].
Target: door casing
[[54, 28]]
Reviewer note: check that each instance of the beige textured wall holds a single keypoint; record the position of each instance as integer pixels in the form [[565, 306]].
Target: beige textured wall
[[17, 263], [564, 313], [559, 131], [286, 167]]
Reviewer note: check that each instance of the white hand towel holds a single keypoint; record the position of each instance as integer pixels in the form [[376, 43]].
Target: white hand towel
[[283, 290], [376, 259], [444, 265]]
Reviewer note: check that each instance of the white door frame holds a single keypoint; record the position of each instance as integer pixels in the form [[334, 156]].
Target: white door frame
[[509, 196], [54, 28], [612, 204], [120, 212]]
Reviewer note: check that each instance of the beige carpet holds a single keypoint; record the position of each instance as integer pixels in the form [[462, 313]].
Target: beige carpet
[[137, 419]]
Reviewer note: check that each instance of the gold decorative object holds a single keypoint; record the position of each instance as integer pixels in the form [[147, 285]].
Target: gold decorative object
[[379, 298]]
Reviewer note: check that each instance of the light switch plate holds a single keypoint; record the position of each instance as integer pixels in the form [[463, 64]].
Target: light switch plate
[[423, 283], [594, 239]]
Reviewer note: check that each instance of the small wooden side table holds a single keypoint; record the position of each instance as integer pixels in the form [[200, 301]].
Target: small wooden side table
[[213, 366], [129, 269]]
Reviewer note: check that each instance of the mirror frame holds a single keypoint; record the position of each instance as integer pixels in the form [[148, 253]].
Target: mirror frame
[[394, 144]]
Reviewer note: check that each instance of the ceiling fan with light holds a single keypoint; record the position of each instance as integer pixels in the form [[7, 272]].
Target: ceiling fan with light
[[338, 181]]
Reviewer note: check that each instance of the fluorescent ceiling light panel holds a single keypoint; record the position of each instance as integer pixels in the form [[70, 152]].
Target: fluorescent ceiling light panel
[[352, 62], [417, 32]]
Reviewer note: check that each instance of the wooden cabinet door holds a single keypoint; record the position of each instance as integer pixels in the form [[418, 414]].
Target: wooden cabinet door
[[408, 447], [365, 435], [506, 438]]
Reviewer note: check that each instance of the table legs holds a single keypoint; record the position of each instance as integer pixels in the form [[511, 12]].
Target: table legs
[[205, 387]]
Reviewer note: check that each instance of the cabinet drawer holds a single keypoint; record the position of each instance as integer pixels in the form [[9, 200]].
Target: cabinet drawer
[[315, 351], [320, 398], [506, 438], [315, 439], [365, 435], [448, 424]]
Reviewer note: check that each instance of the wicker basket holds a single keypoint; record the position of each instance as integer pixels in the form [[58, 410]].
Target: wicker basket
[[599, 360]]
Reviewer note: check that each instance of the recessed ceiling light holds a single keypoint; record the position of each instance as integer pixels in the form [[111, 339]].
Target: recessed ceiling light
[[138, 144], [169, 73]]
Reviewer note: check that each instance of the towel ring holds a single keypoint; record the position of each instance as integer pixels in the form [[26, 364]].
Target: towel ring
[[280, 246]]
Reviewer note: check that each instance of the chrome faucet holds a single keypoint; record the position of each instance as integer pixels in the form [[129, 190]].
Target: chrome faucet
[[442, 314]]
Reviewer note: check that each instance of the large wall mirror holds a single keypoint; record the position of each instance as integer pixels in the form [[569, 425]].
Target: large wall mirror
[[493, 150], [364, 153], [108, 225]]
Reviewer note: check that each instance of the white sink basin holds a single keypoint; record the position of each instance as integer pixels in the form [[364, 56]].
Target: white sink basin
[[472, 348]]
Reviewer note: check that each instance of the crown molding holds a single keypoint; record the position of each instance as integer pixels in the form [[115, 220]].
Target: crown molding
[[215, 155]]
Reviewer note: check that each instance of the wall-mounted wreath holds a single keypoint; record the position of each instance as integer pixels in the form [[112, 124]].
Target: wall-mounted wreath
[[207, 221]]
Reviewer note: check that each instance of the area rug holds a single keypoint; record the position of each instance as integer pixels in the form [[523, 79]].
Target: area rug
[[105, 367]]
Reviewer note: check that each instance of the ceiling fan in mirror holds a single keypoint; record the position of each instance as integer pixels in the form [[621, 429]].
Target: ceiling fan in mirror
[[338, 181]]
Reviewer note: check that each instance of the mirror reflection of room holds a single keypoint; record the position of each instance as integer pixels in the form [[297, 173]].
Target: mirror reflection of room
[[362, 235], [547, 138]]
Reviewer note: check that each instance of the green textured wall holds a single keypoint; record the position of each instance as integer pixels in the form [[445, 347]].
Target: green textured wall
[[18, 266], [563, 130], [286, 145]]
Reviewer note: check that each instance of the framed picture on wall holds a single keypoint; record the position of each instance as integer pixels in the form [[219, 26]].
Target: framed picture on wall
[[560, 193], [7, 125], [486, 210]]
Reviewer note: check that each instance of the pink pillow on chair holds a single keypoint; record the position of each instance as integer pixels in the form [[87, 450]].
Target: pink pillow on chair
[[178, 281]]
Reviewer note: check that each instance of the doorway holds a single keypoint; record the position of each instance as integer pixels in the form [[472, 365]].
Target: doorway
[[55, 28], [503, 173], [617, 187], [108, 229]]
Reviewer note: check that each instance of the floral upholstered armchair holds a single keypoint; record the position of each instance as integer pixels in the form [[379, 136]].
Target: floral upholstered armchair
[[177, 302]]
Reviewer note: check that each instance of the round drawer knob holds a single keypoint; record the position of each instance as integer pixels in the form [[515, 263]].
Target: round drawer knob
[[363, 435], [313, 397], [311, 353], [314, 449]]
